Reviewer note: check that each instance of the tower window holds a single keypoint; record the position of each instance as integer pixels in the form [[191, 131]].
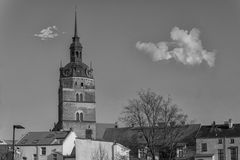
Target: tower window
[[79, 116], [77, 53], [82, 84], [81, 98], [75, 84], [77, 97]]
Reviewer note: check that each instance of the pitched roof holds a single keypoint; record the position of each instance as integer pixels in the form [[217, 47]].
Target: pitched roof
[[43, 138], [101, 127], [129, 133], [219, 130]]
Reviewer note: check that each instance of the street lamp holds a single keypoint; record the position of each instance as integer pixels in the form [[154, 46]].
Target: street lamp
[[13, 144]]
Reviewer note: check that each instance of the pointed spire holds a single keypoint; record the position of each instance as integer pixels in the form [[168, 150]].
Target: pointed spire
[[75, 29]]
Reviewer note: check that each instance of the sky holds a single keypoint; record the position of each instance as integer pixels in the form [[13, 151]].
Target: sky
[[188, 49]]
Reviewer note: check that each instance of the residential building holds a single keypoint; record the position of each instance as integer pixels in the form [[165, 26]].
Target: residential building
[[87, 149], [53, 145], [218, 142], [133, 138]]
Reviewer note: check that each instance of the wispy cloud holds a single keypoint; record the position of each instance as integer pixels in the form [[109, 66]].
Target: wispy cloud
[[185, 47], [48, 33]]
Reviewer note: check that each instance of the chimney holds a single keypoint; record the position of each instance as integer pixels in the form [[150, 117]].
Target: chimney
[[214, 124], [116, 125], [230, 124]]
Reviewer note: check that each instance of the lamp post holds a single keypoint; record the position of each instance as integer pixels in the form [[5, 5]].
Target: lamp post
[[13, 144]]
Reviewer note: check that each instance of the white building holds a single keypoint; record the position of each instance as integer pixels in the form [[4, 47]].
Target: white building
[[46, 145], [87, 149]]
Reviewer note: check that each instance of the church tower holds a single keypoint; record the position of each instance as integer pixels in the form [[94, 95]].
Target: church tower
[[76, 102]]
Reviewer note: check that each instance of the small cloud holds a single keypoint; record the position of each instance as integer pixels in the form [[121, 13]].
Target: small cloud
[[185, 47], [48, 33]]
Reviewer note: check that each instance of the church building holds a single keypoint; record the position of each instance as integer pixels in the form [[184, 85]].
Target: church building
[[76, 102]]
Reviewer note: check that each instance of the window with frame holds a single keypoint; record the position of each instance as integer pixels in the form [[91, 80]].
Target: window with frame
[[180, 152], [219, 141], [231, 140], [43, 149], [34, 156], [141, 153], [204, 147], [54, 156], [220, 154], [234, 153]]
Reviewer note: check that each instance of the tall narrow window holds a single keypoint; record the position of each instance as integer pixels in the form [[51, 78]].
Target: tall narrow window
[[204, 147], [234, 153], [220, 154], [43, 150], [81, 98], [77, 117], [34, 156], [81, 117], [77, 97], [77, 54]]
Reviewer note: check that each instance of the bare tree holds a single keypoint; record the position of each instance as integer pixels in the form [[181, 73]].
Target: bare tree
[[158, 119], [100, 154]]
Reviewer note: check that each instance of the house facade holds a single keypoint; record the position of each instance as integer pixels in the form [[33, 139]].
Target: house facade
[[46, 145], [218, 142]]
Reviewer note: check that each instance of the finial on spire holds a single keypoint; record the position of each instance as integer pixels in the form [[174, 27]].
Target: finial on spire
[[75, 29]]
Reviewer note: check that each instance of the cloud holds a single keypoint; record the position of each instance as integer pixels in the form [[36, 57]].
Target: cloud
[[48, 33], [185, 47]]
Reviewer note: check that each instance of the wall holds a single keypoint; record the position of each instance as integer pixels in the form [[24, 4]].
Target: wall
[[69, 143], [88, 149], [80, 128]]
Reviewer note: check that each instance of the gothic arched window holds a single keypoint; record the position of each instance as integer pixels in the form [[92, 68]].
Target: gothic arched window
[[77, 97], [81, 117], [81, 98], [77, 117]]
